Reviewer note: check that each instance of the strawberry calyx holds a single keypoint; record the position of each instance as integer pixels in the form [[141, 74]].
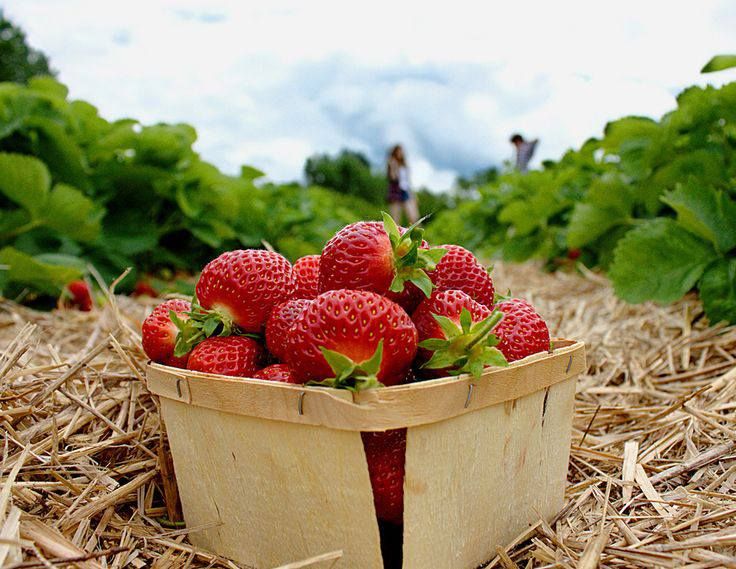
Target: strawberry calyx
[[411, 263], [351, 375], [500, 297], [200, 324], [467, 347]]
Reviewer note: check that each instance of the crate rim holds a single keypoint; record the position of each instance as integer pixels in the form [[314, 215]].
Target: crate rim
[[379, 409]]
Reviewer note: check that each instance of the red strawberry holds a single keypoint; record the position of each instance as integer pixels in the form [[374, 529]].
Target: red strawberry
[[377, 257], [522, 332], [455, 334], [306, 271], [282, 319], [573, 254], [159, 332], [355, 338], [144, 288], [77, 295], [276, 372], [385, 453], [243, 286], [230, 355], [460, 270]]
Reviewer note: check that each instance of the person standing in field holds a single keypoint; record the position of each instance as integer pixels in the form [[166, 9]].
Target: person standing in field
[[400, 197], [524, 151]]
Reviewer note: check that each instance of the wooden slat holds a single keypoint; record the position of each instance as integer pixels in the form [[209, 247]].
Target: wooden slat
[[268, 492], [474, 482]]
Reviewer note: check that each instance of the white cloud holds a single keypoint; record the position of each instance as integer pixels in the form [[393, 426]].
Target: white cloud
[[270, 83]]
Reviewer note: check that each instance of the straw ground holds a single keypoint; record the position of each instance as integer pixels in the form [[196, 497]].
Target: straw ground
[[87, 480]]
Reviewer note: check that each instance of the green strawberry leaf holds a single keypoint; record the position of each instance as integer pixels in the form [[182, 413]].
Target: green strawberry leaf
[[392, 230], [449, 327], [36, 272], [706, 212], [201, 324], [467, 348], [433, 344], [26, 181], [466, 320], [719, 63], [350, 375], [410, 262], [607, 204], [718, 291], [659, 260]]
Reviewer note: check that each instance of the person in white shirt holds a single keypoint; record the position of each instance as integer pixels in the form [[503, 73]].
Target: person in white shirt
[[524, 151], [400, 197]]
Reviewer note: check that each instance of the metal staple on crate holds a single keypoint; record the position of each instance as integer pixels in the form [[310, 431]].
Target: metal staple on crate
[[470, 395], [178, 387], [569, 364], [300, 403]]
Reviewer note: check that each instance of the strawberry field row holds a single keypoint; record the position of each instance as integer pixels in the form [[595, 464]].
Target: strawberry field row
[[653, 203], [77, 190]]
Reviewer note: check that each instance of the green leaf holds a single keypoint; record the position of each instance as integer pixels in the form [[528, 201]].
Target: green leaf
[[718, 291], [466, 320], [339, 364], [719, 63], [422, 281], [25, 181], [373, 364], [659, 260], [705, 211], [392, 230], [450, 328], [607, 204], [71, 213], [29, 271], [250, 173], [433, 344]]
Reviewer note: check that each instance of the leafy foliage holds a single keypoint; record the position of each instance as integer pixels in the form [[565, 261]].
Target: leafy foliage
[[652, 202], [18, 61], [120, 194]]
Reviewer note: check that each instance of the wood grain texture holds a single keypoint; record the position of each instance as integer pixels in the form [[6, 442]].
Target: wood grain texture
[[475, 481], [272, 492], [373, 410]]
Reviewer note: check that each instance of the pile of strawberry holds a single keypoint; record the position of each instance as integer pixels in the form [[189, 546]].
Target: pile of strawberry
[[378, 307]]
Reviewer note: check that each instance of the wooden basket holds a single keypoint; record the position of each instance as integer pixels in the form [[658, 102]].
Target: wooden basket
[[271, 473]]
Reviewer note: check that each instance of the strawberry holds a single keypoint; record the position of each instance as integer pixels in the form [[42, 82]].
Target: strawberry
[[276, 372], [455, 334], [522, 332], [280, 322], [230, 355], [377, 257], [385, 453], [144, 288], [159, 332], [306, 272], [356, 339], [77, 294], [242, 287], [460, 270]]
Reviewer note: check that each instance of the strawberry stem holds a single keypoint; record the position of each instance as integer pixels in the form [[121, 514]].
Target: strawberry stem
[[201, 324], [349, 374], [467, 347], [411, 262]]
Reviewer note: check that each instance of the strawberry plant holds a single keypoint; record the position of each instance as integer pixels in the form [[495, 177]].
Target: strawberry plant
[[651, 202], [79, 190]]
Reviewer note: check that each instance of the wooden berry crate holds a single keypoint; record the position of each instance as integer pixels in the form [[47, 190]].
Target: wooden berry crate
[[271, 473]]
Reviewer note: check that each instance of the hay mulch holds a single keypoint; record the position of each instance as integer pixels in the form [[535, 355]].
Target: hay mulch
[[87, 480]]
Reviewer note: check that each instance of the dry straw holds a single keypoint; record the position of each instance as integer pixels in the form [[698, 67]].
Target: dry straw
[[87, 479]]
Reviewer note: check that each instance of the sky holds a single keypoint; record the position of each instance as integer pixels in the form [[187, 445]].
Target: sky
[[270, 83]]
